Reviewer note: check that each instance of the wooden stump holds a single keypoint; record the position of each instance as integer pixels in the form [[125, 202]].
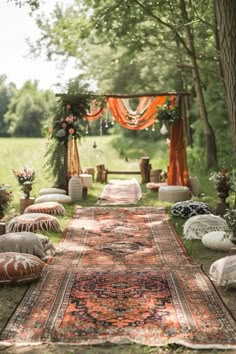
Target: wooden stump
[[90, 171], [144, 170], [100, 168], [155, 176], [24, 203], [2, 228]]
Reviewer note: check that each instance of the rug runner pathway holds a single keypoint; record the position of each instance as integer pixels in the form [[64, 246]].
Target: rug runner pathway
[[122, 276], [120, 192]]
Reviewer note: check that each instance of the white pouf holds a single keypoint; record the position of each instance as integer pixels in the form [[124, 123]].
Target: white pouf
[[51, 191], [223, 271], [59, 198], [174, 194], [87, 180], [199, 225], [217, 240]]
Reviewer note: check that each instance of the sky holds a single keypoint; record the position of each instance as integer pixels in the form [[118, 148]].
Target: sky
[[15, 26]]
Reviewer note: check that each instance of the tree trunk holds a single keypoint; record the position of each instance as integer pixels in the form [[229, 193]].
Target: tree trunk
[[226, 21], [211, 149]]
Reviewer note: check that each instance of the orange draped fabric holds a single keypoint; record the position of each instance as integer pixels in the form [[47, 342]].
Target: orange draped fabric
[[73, 158], [144, 117], [135, 122], [96, 111], [178, 169]]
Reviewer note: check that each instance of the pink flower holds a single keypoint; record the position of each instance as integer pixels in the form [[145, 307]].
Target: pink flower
[[71, 131], [224, 171], [68, 106]]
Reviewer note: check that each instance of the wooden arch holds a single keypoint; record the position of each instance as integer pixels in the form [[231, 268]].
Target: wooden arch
[[178, 169]]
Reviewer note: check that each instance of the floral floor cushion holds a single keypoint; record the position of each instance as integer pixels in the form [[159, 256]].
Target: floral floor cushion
[[51, 191], [33, 222], [155, 186], [52, 208], [197, 226], [190, 208], [58, 198], [217, 240], [19, 267], [223, 271]]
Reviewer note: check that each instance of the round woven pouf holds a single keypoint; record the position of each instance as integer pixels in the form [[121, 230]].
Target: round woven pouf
[[33, 222], [217, 240], [51, 208], [173, 194], [51, 191], [19, 267], [58, 198]]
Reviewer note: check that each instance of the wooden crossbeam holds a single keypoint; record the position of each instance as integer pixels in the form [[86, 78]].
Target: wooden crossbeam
[[123, 172]]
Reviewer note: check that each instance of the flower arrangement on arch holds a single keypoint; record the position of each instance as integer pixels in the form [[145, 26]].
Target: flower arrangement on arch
[[25, 178], [6, 197], [66, 125], [168, 113]]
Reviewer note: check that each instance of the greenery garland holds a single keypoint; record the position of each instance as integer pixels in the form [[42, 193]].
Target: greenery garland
[[68, 123]]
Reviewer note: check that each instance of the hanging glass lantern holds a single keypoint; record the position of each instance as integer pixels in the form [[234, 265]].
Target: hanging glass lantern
[[163, 129]]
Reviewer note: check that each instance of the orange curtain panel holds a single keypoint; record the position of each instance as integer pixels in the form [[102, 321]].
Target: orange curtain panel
[[178, 169]]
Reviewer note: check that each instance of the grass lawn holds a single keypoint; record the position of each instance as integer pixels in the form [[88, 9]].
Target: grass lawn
[[15, 153]]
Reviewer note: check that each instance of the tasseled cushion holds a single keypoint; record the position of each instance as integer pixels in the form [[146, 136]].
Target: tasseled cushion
[[52, 208], [33, 222], [199, 225]]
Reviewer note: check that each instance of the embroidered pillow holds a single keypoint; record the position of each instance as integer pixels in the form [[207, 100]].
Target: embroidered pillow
[[187, 209], [19, 267]]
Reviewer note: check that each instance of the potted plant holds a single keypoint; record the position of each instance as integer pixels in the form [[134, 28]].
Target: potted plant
[[230, 218], [25, 178], [5, 198], [223, 184]]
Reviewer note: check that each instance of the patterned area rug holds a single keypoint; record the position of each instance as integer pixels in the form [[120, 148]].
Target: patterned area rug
[[120, 192], [122, 276]]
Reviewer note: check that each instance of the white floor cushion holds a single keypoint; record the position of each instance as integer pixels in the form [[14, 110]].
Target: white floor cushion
[[59, 198], [199, 225], [51, 191], [217, 240], [223, 271]]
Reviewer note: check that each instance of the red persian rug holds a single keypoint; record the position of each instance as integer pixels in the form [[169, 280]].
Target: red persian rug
[[122, 276], [120, 192]]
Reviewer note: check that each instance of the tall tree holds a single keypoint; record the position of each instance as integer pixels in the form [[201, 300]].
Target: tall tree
[[140, 28], [7, 92], [29, 110], [226, 21]]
